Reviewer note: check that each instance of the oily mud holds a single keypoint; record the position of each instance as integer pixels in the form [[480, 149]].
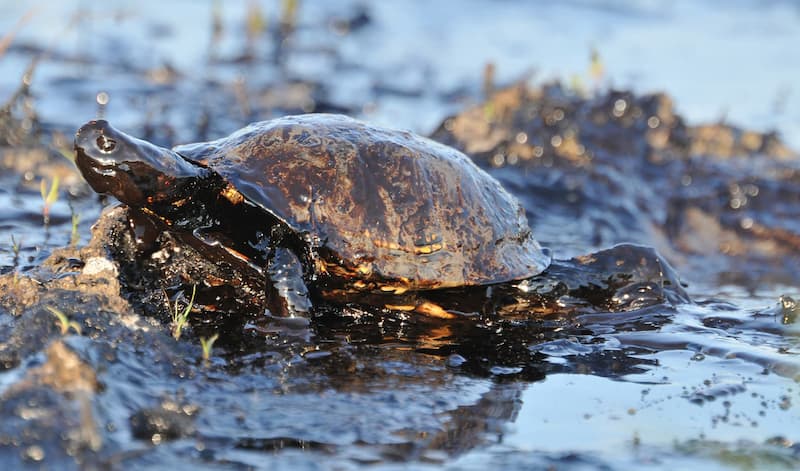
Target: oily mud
[[715, 198]]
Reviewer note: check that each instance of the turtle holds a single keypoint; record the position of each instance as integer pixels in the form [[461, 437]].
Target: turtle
[[364, 213]]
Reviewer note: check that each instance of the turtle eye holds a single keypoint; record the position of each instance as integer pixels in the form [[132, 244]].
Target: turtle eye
[[106, 144]]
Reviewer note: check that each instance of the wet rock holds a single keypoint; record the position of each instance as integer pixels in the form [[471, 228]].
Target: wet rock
[[87, 301], [165, 422], [714, 389], [619, 279], [724, 141], [785, 311], [34, 426], [63, 372], [65, 326], [48, 413], [789, 309]]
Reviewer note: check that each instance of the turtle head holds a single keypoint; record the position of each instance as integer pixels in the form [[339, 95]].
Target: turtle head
[[134, 171]]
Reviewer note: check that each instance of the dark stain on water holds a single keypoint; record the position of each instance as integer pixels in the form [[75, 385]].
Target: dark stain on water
[[665, 331]]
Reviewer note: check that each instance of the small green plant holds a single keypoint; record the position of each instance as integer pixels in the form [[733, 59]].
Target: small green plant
[[180, 317], [63, 321], [289, 15], [207, 344], [16, 246], [49, 196], [256, 25], [597, 70], [217, 29]]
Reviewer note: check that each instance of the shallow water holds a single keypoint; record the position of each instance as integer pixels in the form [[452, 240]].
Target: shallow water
[[742, 66], [711, 384]]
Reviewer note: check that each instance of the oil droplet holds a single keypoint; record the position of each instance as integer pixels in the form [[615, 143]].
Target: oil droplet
[[746, 223], [498, 160], [521, 138], [555, 141], [619, 107], [653, 122], [34, 453], [102, 98]]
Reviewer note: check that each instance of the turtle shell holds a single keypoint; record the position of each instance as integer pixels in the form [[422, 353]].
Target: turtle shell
[[378, 203]]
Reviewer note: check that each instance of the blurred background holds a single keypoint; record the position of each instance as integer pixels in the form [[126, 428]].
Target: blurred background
[[406, 64]]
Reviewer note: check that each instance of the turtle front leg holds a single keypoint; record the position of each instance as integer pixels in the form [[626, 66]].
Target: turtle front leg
[[286, 292]]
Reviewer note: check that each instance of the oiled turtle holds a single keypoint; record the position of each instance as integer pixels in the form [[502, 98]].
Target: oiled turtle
[[370, 212]]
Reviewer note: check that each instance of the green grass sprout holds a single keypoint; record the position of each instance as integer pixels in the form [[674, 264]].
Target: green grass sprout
[[256, 25], [16, 246], [180, 317], [63, 321], [597, 70], [49, 196], [289, 15], [207, 344]]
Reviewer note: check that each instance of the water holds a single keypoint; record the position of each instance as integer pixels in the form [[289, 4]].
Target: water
[[710, 384], [741, 68]]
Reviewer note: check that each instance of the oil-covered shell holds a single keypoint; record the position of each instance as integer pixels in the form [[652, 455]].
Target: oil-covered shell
[[382, 204]]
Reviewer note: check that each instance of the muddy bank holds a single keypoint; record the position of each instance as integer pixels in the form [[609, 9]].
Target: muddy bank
[[121, 391], [719, 201]]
